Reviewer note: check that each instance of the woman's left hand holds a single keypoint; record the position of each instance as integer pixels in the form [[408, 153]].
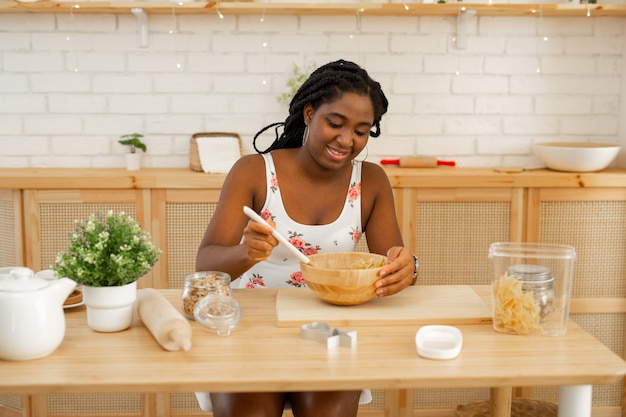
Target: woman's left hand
[[397, 274]]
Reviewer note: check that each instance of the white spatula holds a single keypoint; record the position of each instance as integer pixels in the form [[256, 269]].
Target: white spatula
[[251, 213]]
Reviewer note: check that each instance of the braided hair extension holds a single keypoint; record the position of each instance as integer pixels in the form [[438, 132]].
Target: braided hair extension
[[326, 84]]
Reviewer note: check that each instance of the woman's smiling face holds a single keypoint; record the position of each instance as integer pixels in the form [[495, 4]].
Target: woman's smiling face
[[338, 131]]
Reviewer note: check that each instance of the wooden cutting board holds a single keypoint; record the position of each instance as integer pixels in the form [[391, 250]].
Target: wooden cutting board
[[419, 305]]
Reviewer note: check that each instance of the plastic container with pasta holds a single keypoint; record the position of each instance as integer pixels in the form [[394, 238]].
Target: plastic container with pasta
[[517, 307]]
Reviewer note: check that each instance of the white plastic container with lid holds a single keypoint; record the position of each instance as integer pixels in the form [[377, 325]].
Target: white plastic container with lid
[[522, 287]]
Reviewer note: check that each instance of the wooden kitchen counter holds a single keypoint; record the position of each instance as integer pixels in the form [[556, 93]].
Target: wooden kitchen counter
[[448, 217], [182, 178], [259, 356]]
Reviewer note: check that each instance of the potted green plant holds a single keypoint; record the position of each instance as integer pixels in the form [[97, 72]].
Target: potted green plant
[[133, 158], [107, 254]]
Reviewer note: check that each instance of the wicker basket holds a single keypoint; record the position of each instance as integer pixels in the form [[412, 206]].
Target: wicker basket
[[520, 407], [194, 156]]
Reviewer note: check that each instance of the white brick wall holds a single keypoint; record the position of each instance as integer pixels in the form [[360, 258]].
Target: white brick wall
[[70, 85]]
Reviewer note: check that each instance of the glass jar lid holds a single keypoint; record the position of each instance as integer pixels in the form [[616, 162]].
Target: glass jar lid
[[210, 279], [530, 273], [218, 312]]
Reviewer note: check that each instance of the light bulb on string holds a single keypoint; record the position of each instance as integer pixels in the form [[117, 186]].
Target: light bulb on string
[[358, 24], [174, 28], [70, 37], [540, 37], [174, 32], [217, 10], [406, 6], [72, 7], [264, 46]]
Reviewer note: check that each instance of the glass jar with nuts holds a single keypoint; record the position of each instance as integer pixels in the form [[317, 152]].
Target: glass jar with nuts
[[200, 284]]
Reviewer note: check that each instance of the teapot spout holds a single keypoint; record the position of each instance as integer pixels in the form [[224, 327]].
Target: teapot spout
[[60, 289]]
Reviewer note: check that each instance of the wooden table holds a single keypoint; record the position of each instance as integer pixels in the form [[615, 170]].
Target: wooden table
[[259, 356]]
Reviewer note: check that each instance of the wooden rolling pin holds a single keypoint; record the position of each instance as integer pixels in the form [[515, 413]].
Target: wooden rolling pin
[[167, 325], [417, 162]]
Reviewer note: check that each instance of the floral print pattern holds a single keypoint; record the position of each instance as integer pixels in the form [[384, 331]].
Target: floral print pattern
[[255, 282], [273, 183], [356, 234], [302, 245], [267, 215], [347, 231], [296, 279], [354, 192]]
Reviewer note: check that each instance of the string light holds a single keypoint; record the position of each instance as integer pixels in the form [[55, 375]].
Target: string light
[[174, 32], [543, 38], [264, 45], [358, 24], [217, 9], [70, 37]]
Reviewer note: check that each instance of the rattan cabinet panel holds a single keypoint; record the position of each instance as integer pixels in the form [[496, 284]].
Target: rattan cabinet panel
[[11, 253], [454, 228], [51, 215], [180, 218], [594, 222]]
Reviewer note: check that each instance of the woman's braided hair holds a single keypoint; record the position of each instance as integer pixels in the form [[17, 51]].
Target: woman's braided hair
[[325, 85]]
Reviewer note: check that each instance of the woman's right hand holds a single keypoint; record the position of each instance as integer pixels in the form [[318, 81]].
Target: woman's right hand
[[258, 240]]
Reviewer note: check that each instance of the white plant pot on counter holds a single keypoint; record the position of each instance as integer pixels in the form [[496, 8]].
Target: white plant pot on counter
[[110, 309], [133, 161]]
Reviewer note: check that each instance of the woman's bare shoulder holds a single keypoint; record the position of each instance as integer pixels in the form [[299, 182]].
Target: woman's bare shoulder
[[373, 173], [247, 165], [248, 171]]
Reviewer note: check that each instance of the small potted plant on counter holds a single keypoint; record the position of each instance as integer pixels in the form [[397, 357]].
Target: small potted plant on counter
[[107, 254], [133, 158]]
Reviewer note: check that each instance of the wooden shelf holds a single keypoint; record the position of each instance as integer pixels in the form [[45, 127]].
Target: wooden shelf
[[363, 9]]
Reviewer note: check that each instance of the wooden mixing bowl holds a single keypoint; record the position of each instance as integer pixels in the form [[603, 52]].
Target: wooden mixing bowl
[[334, 279]]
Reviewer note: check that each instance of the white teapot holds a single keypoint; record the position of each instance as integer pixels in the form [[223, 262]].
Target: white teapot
[[32, 322]]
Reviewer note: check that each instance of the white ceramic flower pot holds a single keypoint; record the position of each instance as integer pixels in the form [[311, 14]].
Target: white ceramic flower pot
[[133, 161], [110, 309]]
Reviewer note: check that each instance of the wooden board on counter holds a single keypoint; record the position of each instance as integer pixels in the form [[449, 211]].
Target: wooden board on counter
[[419, 305]]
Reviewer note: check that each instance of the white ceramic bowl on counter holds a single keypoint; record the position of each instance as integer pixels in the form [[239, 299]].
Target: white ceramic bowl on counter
[[576, 156]]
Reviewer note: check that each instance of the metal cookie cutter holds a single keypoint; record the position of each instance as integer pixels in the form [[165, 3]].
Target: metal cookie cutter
[[321, 332]]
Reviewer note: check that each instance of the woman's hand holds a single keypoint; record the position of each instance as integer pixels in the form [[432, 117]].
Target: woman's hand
[[397, 274], [258, 240]]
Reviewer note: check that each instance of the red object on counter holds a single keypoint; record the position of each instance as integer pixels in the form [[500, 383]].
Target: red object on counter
[[417, 162]]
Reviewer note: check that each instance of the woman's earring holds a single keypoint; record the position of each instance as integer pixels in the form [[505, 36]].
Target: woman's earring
[[366, 154], [305, 136]]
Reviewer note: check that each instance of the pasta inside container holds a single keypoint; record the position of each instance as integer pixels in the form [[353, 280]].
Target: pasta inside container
[[522, 304]]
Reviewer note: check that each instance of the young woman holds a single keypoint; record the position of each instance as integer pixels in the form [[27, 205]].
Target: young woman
[[310, 186]]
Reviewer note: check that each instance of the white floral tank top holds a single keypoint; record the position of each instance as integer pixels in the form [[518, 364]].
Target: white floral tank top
[[282, 269]]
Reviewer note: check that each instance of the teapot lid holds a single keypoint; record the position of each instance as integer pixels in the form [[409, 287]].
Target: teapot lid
[[19, 278]]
